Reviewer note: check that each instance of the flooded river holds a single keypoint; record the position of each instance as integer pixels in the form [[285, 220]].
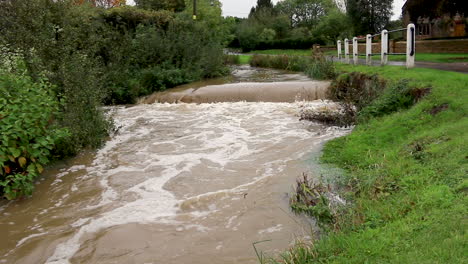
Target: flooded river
[[178, 183]]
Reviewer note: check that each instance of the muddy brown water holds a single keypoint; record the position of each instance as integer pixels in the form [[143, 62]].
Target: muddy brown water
[[178, 183]]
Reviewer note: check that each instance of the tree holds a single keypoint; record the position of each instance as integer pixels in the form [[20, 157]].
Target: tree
[[171, 5], [305, 13], [264, 8], [333, 26], [103, 3], [369, 16]]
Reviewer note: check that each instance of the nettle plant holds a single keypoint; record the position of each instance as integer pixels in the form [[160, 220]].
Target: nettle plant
[[27, 132]]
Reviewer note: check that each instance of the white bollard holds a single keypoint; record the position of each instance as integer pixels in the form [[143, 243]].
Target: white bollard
[[355, 51], [346, 50], [369, 49], [410, 45], [384, 47], [338, 44]]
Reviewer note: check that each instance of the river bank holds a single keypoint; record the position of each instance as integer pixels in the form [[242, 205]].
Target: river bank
[[405, 178]]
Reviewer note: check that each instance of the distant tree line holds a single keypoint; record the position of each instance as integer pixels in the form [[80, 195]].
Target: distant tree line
[[301, 23]]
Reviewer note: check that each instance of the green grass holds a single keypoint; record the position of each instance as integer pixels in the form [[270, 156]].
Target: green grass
[[407, 179], [298, 52], [244, 59], [432, 57], [426, 57]]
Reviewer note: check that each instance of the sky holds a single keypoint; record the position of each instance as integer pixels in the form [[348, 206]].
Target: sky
[[241, 8]]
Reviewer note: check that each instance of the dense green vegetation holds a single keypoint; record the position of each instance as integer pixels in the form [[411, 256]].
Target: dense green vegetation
[[28, 131], [405, 175], [79, 56], [316, 67]]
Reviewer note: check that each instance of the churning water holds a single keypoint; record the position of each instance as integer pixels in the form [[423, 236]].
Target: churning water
[[178, 183]]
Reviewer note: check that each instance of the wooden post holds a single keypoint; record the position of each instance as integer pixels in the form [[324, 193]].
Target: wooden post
[[384, 48], [369, 49], [410, 45], [355, 51], [346, 50], [338, 44]]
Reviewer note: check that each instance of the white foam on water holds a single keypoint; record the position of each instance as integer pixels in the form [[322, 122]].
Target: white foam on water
[[220, 133], [272, 229], [23, 240]]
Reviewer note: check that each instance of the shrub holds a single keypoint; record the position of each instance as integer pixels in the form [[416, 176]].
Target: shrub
[[282, 62], [81, 112], [29, 132], [251, 41], [321, 68], [232, 59]]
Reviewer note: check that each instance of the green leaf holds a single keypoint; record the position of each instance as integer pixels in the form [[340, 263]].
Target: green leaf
[[22, 161], [39, 167], [15, 152], [31, 168]]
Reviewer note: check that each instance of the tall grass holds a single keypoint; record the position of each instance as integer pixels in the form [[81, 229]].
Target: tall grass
[[317, 67]]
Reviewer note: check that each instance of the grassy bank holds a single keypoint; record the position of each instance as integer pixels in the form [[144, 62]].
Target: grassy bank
[[432, 57], [405, 178], [426, 57]]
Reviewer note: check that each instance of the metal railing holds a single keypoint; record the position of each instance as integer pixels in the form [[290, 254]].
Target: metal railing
[[384, 49]]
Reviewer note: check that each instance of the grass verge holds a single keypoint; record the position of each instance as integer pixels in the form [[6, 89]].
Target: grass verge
[[432, 57], [425, 57], [405, 177]]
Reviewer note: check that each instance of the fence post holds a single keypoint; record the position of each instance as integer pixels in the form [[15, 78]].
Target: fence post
[[355, 51], [346, 50], [339, 49], [369, 49], [410, 45], [384, 47]]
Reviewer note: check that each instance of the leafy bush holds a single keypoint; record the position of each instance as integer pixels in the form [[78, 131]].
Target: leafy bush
[[95, 56], [28, 132]]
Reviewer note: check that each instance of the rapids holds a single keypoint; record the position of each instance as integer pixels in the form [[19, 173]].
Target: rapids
[[177, 183]]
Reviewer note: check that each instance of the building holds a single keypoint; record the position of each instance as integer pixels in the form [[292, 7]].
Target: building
[[437, 18]]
